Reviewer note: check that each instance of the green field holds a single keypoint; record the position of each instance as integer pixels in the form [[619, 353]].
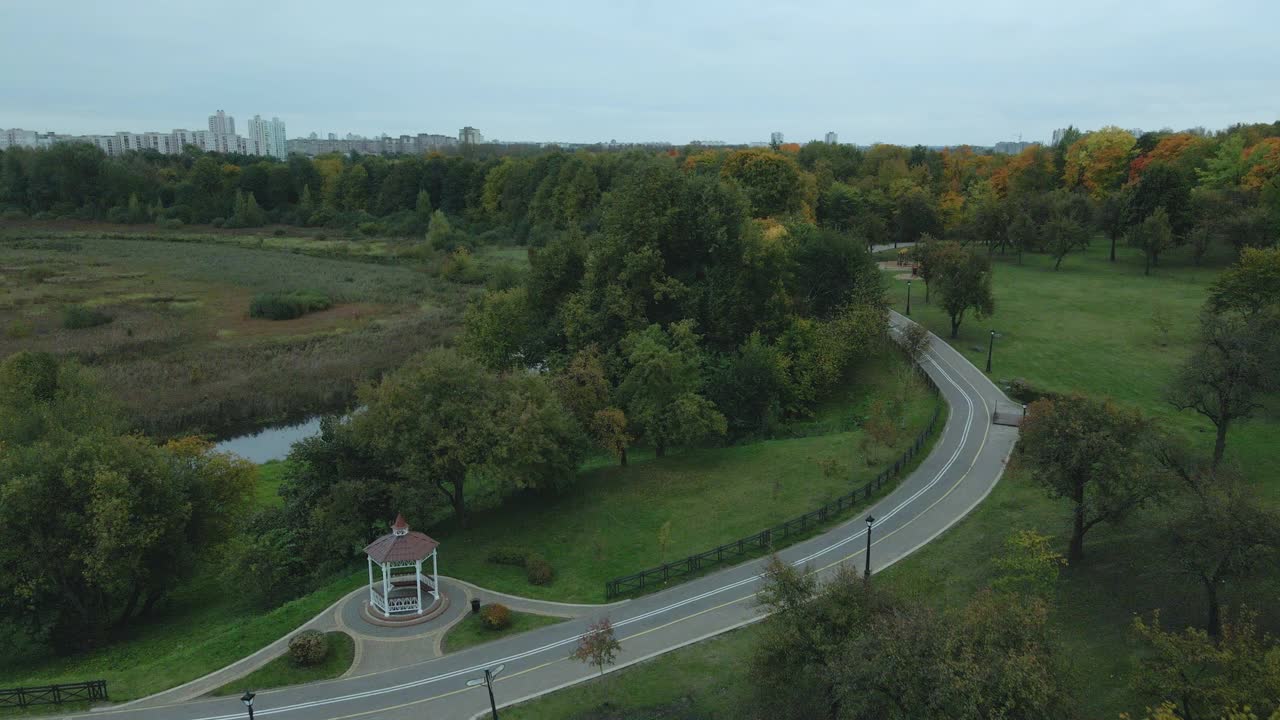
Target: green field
[[1086, 328], [282, 671], [471, 631]]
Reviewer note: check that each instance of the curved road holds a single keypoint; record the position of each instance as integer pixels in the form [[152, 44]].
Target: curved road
[[963, 467]]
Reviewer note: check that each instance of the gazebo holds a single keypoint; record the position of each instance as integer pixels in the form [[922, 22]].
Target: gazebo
[[400, 555]]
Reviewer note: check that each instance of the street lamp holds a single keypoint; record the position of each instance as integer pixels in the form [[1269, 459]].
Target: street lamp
[[990, 344], [248, 702], [487, 681], [908, 298], [866, 575]]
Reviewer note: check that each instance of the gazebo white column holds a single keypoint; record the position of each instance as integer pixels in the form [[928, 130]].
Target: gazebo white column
[[435, 576], [372, 600], [386, 587], [417, 583]]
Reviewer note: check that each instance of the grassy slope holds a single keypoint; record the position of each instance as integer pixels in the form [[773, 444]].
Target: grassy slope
[[609, 524], [702, 492], [282, 671], [471, 631], [1086, 328]]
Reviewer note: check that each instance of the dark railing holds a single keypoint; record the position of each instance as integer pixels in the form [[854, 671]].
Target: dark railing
[[54, 694], [638, 582]]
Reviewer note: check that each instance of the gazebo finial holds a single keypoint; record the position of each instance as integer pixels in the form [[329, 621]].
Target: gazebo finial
[[400, 527]]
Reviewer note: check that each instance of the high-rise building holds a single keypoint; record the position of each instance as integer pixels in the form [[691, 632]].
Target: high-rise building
[[775, 137], [470, 136], [831, 138], [269, 137], [221, 123]]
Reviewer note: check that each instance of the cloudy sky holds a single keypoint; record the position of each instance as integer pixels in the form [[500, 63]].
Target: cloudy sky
[[901, 71]]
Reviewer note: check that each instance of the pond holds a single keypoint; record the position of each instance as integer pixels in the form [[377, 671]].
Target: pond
[[272, 443]]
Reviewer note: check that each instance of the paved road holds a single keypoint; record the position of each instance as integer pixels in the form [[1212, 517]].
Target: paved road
[[961, 470]]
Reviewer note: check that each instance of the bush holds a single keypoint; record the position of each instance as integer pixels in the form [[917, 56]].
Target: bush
[[45, 215], [537, 570], [169, 223], [118, 215], [309, 647], [509, 556], [19, 329], [14, 214], [286, 306], [76, 317], [369, 229], [278, 232], [218, 222], [496, 616]]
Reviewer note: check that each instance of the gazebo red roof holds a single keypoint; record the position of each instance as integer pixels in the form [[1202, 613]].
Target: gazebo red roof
[[401, 545]]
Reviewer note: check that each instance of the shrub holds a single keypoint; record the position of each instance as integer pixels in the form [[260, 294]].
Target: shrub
[[509, 556], [309, 647], [537, 570], [19, 329], [278, 232], [14, 214], [118, 215], [45, 215], [369, 229], [496, 616], [169, 223], [218, 222], [76, 317], [286, 306]]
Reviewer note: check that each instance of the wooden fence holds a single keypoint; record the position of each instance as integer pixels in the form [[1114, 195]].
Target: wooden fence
[[54, 694], [765, 539]]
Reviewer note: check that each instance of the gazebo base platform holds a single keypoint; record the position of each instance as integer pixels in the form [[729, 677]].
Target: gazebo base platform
[[376, 617]]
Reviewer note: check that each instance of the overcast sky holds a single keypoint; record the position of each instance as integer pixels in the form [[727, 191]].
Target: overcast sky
[[901, 71]]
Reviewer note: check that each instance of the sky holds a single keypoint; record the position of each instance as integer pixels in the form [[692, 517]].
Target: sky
[[899, 71]]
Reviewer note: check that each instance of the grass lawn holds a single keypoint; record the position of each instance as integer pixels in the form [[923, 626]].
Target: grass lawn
[[266, 492], [282, 671], [1086, 328], [203, 627], [609, 524], [471, 631], [1091, 327], [703, 681]]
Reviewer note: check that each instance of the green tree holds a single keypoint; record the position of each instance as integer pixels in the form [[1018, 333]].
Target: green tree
[[609, 429], [1221, 532], [1249, 286], [1230, 368], [1063, 235], [1029, 565], [1093, 453], [129, 519], [662, 386], [1021, 233], [498, 330], [542, 444], [1153, 236], [43, 398], [964, 282], [772, 181], [434, 420], [1207, 678]]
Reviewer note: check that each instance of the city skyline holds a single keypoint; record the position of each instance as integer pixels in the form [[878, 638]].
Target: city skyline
[[582, 73]]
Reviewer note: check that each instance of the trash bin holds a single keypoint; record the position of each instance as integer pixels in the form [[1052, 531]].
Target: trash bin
[[475, 605]]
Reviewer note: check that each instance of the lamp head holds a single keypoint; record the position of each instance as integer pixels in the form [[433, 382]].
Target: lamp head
[[870, 521], [247, 699]]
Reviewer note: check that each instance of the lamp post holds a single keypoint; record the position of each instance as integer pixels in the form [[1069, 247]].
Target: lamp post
[[487, 681], [866, 574], [908, 298], [248, 702], [991, 343]]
